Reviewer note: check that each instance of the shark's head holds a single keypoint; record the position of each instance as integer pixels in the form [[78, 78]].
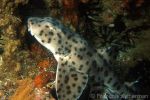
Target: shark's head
[[46, 32], [40, 28]]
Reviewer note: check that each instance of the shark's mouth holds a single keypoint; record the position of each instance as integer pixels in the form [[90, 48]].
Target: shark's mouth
[[29, 30]]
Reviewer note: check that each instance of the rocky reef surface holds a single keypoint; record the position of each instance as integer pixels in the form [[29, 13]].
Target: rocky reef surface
[[28, 70]]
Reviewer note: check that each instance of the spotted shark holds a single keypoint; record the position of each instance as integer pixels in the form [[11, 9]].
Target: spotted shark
[[78, 61]]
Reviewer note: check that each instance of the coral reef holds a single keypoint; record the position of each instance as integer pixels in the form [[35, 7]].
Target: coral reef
[[122, 26], [27, 91], [24, 91]]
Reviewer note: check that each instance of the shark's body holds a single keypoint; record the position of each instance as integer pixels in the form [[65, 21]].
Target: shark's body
[[78, 61]]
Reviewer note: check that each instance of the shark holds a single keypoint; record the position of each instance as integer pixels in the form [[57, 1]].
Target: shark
[[78, 61]]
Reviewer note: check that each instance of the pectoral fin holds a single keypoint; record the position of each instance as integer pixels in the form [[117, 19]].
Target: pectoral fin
[[70, 85]]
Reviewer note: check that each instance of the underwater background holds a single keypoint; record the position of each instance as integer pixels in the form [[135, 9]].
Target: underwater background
[[121, 27]]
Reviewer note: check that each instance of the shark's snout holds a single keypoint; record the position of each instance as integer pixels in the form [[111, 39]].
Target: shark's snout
[[30, 23]]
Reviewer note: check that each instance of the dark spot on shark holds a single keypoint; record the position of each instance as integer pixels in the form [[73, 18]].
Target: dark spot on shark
[[60, 75], [80, 57], [87, 62], [68, 92], [81, 49], [74, 96], [76, 78], [62, 64], [84, 77], [70, 46], [58, 81], [73, 85], [46, 26], [59, 49], [49, 40], [69, 37], [73, 75], [61, 59], [59, 41], [73, 62], [75, 48], [68, 87], [42, 41], [84, 49], [59, 69], [61, 84], [58, 35], [83, 83], [59, 89], [51, 33], [74, 40], [79, 89], [66, 63], [41, 32], [80, 67], [66, 79]]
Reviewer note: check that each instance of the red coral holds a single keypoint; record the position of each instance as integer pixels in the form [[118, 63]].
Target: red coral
[[37, 48], [43, 78], [46, 63]]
